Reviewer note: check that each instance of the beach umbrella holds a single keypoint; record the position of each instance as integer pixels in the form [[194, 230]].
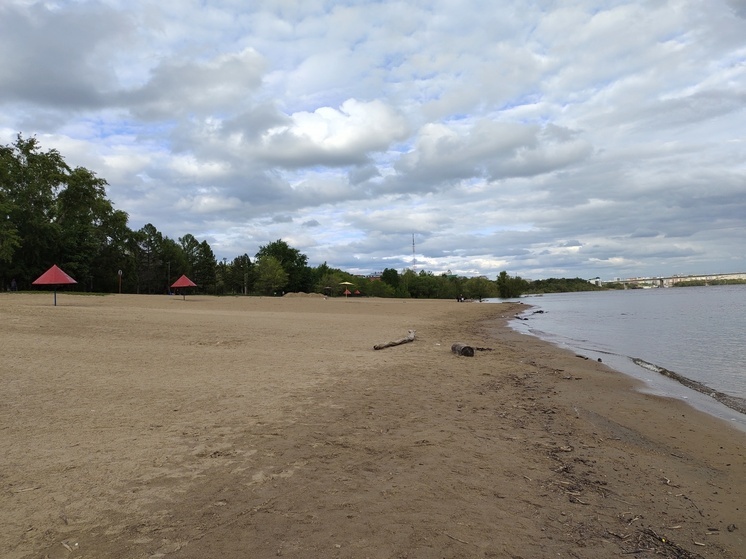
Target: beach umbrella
[[347, 291], [54, 276], [183, 282]]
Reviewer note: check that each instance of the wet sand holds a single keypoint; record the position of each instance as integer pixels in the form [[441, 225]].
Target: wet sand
[[151, 426]]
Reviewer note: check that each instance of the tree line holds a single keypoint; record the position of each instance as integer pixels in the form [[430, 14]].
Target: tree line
[[51, 213]]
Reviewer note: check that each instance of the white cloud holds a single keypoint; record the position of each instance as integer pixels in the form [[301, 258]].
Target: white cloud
[[587, 138], [330, 136], [206, 203]]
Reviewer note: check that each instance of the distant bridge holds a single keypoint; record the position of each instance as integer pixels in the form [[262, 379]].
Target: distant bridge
[[668, 281]]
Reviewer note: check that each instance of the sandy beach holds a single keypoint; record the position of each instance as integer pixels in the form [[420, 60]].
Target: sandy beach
[[157, 427]]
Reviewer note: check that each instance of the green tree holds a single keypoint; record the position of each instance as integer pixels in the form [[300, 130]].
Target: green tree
[[85, 217], [323, 277], [328, 284], [390, 277], [450, 286], [377, 288], [200, 264], [423, 285], [292, 261], [29, 182], [407, 283], [9, 239], [222, 277], [56, 215], [241, 275], [113, 253], [149, 261], [271, 277], [508, 286], [205, 267], [479, 288], [190, 248], [172, 263], [561, 285]]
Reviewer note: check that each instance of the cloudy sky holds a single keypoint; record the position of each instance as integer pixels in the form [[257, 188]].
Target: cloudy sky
[[544, 138]]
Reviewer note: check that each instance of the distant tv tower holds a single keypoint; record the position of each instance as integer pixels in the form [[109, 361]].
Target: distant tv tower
[[414, 257]]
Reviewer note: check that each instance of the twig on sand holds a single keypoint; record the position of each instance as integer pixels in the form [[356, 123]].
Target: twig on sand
[[692, 502], [27, 489], [458, 540], [408, 338]]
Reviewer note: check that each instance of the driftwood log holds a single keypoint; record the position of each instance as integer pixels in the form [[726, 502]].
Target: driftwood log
[[409, 338], [463, 349]]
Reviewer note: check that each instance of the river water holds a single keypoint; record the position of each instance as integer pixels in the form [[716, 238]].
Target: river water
[[696, 333]]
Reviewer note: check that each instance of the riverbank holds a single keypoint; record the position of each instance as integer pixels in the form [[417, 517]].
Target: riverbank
[[681, 343], [137, 426]]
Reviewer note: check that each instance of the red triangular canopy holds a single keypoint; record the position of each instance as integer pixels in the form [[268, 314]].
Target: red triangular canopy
[[54, 276], [184, 281]]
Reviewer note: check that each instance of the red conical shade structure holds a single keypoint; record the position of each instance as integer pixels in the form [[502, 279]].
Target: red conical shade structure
[[54, 276], [184, 281]]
